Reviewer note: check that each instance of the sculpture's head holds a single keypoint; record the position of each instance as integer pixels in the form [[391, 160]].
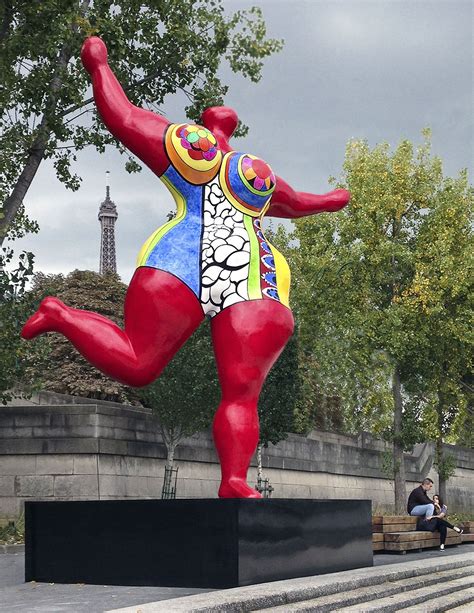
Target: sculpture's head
[[221, 119]]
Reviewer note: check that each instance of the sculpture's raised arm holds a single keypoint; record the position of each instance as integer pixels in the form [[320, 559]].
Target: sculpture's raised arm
[[141, 131], [286, 202]]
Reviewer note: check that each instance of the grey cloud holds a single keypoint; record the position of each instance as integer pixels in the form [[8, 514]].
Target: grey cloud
[[376, 70]]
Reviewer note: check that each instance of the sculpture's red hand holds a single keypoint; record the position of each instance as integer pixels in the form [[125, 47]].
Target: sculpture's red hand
[[93, 54], [139, 130]]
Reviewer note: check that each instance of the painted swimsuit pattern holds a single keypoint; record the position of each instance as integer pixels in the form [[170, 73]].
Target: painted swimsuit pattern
[[215, 244], [225, 253]]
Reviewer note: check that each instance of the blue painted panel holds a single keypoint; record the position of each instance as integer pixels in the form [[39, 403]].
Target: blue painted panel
[[179, 250]]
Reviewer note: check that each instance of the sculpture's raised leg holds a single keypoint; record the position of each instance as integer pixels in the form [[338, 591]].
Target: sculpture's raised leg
[[160, 314]]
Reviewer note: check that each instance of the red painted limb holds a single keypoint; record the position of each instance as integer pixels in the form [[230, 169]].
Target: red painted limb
[[139, 130], [161, 313], [222, 121], [286, 202], [248, 337]]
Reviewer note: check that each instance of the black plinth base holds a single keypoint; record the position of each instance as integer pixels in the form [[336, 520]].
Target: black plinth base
[[194, 543]]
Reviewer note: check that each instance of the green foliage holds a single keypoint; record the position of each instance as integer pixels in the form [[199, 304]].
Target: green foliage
[[463, 427], [445, 466], [63, 369], [439, 304], [364, 275], [14, 532], [389, 465], [155, 48], [185, 396], [14, 309]]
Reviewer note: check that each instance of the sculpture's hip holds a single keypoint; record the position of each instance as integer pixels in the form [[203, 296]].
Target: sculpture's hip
[[218, 251]]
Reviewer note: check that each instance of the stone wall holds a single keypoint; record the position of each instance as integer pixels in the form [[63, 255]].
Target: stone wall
[[107, 451]]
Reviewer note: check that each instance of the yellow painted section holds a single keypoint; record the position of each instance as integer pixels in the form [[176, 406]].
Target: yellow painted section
[[283, 276], [155, 238]]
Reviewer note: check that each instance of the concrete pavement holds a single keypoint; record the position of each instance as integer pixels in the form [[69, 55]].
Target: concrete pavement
[[19, 597]]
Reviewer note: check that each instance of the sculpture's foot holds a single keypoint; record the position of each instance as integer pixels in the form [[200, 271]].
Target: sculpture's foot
[[237, 488], [44, 319]]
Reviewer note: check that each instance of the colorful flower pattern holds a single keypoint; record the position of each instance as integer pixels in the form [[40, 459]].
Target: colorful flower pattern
[[258, 174], [199, 142]]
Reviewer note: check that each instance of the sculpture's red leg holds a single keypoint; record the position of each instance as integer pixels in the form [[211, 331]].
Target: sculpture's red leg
[[248, 337], [161, 313]]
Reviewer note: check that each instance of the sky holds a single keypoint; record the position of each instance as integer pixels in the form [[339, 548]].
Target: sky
[[380, 70]]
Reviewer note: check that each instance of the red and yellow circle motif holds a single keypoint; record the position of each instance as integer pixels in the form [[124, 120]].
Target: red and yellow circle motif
[[257, 174], [193, 151]]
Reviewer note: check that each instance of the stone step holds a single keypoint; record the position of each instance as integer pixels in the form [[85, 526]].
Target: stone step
[[463, 608], [352, 597], [268, 596], [455, 602], [414, 597]]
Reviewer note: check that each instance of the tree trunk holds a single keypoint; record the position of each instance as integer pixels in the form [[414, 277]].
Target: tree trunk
[[15, 199], [439, 445], [38, 148], [170, 448], [171, 439], [259, 461], [399, 464], [6, 19], [439, 459]]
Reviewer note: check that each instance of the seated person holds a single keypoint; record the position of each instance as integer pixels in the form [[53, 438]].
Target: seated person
[[418, 502], [441, 511], [437, 522]]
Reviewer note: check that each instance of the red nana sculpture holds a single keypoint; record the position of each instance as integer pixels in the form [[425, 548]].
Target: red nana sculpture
[[212, 260]]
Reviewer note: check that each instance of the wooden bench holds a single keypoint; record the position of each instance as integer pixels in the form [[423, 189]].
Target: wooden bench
[[393, 523], [468, 527], [402, 542], [398, 534]]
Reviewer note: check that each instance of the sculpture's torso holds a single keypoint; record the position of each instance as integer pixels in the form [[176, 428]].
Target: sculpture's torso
[[215, 243]]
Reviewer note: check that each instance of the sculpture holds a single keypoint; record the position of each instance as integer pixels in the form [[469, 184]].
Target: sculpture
[[212, 260]]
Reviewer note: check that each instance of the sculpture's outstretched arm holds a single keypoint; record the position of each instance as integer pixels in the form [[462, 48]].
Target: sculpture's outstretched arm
[[141, 131], [286, 202]]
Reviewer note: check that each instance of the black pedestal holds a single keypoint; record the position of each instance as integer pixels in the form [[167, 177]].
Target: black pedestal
[[194, 543]]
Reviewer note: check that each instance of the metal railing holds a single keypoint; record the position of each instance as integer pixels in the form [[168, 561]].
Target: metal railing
[[169, 483]]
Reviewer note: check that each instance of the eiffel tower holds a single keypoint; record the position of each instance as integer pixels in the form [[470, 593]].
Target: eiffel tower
[[107, 217]]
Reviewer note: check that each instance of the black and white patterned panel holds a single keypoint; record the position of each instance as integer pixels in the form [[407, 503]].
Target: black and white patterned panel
[[225, 253]]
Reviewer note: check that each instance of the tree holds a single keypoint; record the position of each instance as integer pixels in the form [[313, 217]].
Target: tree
[[155, 48], [439, 301], [357, 266], [464, 425], [185, 396], [64, 370], [14, 306]]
